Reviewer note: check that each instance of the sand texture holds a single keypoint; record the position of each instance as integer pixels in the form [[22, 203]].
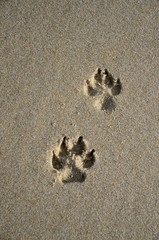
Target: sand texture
[[54, 184]]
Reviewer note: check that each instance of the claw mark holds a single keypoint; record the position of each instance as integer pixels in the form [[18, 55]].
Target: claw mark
[[98, 76], [63, 147], [109, 80]]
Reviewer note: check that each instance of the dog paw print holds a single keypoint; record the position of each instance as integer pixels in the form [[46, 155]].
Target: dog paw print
[[103, 88], [71, 160]]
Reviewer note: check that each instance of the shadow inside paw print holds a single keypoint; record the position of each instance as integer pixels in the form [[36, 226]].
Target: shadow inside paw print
[[91, 91], [104, 88], [89, 159], [108, 104], [70, 159], [79, 147], [116, 88]]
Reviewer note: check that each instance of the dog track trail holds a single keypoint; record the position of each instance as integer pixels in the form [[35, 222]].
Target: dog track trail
[[103, 88], [71, 160]]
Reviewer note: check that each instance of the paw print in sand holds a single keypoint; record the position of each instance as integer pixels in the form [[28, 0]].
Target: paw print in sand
[[103, 88], [71, 160]]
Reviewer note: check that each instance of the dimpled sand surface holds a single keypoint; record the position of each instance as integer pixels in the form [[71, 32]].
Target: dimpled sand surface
[[49, 49]]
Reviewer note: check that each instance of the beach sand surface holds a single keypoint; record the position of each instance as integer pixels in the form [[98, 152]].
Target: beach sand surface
[[48, 50]]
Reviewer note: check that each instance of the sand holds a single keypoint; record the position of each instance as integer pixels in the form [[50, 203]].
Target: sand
[[48, 50]]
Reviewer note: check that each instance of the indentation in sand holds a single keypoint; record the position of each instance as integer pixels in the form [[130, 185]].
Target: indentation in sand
[[71, 159], [103, 88]]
